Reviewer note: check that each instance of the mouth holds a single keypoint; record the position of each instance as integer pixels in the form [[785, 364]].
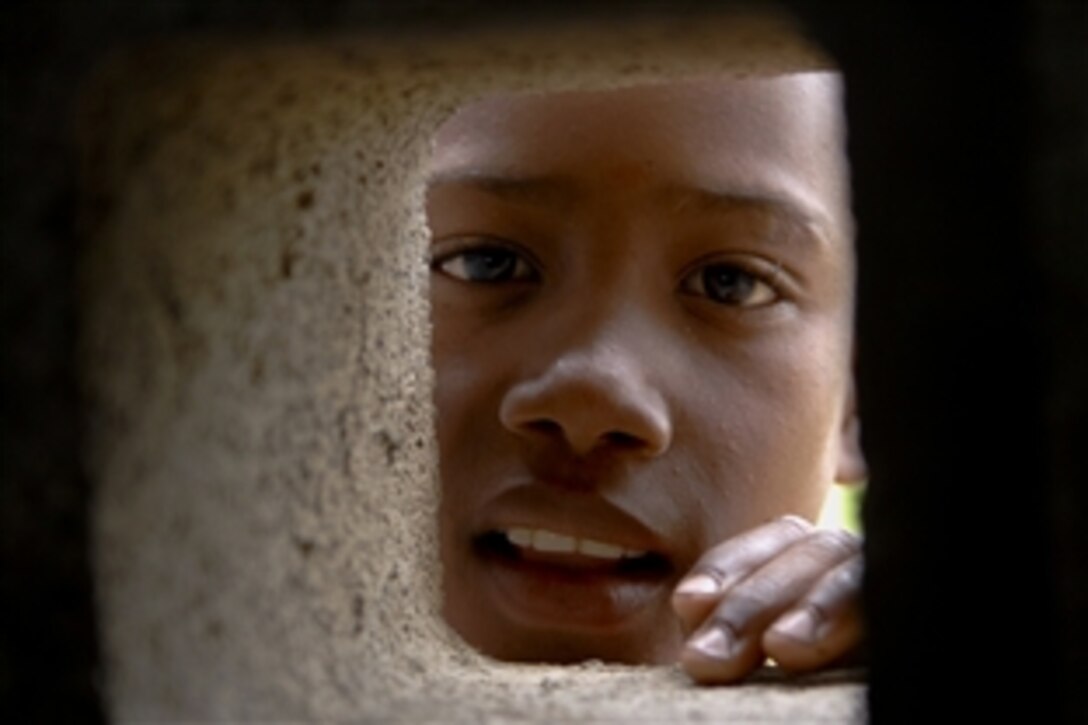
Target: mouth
[[560, 582], [570, 555]]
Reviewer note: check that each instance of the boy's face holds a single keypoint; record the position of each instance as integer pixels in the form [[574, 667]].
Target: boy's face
[[642, 305]]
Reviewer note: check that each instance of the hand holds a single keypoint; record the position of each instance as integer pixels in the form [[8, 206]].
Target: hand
[[784, 590]]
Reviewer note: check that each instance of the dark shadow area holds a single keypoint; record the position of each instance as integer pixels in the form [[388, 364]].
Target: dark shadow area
[[968, 139]]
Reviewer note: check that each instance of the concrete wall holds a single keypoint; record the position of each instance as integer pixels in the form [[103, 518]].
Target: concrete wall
[[259, 394]]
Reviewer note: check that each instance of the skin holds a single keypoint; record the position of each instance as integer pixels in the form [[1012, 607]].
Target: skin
[[642, 304]]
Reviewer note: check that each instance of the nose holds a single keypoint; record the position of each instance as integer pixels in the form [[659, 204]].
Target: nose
[[592, 398]]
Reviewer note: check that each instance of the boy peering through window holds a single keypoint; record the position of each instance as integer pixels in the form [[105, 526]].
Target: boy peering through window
[[642, 305]]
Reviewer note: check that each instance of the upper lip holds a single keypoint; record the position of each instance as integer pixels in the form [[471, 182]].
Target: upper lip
[[582, 515]]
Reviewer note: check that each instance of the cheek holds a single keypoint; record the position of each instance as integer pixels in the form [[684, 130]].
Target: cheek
[[466, 459], [463, 405], [759, 433], [458, 371], [473, 447]]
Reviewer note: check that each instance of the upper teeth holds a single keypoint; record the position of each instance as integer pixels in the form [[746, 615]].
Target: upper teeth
[[551, 542]]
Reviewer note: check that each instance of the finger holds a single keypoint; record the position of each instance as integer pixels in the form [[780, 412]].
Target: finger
[[726, 564], [729, 643], [827, 625]]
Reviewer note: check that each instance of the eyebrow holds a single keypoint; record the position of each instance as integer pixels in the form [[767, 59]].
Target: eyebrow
[[719, 201], [562, 192], [557, 191]]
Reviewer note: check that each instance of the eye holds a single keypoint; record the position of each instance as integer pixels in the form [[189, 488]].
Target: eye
[[729, 284], [488, 264]]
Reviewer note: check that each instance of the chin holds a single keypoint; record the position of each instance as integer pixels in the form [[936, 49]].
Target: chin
[[513, 643]]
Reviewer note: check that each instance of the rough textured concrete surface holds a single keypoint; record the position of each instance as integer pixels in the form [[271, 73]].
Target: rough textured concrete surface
[[254, 347]]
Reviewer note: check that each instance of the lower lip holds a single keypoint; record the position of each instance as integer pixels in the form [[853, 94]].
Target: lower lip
[[563, 599]]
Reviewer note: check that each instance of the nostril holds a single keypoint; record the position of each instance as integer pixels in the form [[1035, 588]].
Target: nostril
[[616, 439], [619, 439], [589, 413], [545, 426]]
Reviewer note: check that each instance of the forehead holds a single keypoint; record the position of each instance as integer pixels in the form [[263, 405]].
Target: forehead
[[777, 138]]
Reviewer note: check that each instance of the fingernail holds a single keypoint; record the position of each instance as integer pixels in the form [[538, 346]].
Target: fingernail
[[700, 585], [800, 624], [715, 642]]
